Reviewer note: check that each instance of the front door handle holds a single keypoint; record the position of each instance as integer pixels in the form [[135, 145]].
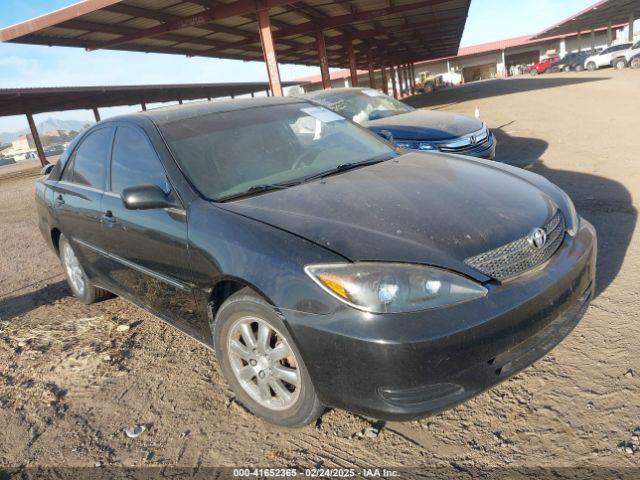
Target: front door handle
[[59, 200], [108, 217]]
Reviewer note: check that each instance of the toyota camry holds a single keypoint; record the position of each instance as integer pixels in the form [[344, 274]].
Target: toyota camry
[[324, 266]]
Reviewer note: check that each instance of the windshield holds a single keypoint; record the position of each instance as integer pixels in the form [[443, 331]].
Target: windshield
[[225, 154], [362, 105]]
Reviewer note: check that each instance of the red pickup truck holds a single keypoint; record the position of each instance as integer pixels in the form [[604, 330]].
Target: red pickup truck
[[542, 66]]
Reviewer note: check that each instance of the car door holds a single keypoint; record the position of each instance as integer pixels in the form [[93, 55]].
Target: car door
[[149, 259], [78, 195]]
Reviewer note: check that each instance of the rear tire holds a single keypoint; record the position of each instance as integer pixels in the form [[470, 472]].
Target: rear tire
[[591, 66], [635, 62], [80, 285], [579, 68], [261, 362], [567, 68]]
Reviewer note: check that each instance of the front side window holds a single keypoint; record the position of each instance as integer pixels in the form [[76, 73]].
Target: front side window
[[362, 105], [227, 153], [89, 162], [135, 161]]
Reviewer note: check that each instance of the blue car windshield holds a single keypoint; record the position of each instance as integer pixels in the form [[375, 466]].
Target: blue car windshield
[[227, 153], [361, 105]]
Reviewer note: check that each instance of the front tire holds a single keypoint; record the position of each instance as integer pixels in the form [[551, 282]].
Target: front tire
[[591, 66], [620, 64], [77, 279], [635, 62], [579, 68], [533, 72], [261, 362]]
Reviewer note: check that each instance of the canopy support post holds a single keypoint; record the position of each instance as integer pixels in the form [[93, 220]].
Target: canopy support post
[[36, 140], [324, 60], [269, 52]]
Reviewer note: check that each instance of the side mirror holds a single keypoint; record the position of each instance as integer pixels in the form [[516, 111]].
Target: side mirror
[[145, 197], [387, 135], [46, 170]]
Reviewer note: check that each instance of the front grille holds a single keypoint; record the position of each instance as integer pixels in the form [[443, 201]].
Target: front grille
[[468, 142], [520, 255]]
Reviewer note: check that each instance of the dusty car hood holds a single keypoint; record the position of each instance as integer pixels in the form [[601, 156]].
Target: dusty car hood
[[426, 125], [425, 208]]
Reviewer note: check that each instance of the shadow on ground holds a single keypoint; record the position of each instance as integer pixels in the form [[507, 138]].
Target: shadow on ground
[[493, 88], [16, 305], [605, 203]]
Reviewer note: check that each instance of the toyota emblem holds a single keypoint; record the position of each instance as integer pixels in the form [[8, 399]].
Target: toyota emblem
[[538, 238]]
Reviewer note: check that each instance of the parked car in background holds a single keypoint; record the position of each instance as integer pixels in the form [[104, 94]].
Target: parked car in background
[[633, 56], [323, 266], [7, 160], [606, 57], [424, 130], [54, 150], [542, 66], [571, 61]]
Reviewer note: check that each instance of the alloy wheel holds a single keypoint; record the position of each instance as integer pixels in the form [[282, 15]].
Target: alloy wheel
[[263, 363], [73, 269]]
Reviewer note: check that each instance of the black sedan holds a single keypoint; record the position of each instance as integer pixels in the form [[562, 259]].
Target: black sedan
[[423, 130], [323, 266]]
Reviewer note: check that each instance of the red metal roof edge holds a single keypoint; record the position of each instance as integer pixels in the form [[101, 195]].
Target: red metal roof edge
[[53, 18], [594, 6]]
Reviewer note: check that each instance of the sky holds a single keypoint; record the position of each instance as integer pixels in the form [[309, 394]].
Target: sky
[[35, 66]]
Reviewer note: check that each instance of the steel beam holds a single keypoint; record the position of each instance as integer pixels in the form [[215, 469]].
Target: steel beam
[[632, 19], [349, 18], [233, 9], [385, 80], [372, 72], [394, 83], [353, 68], [400, 81], [96, 114], [36, 140], [144, 106], [324, 61], [269, 52]]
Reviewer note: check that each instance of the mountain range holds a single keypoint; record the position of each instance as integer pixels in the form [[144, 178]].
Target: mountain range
[[45, 126]]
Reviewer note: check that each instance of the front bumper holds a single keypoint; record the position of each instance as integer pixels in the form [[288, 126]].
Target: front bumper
[[407, 366]]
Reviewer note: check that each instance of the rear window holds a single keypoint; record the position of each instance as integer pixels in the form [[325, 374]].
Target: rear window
[[89, 162]]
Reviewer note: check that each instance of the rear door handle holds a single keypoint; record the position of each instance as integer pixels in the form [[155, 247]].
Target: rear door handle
[[108, 217], [59, 200]]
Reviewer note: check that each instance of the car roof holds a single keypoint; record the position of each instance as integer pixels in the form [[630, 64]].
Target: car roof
[[173, 113]]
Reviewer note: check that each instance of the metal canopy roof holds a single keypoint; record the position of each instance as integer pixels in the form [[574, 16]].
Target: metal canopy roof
[[19, 101], [408, 30], [598, 15]]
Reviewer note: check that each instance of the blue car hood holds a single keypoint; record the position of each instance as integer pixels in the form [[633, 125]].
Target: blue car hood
[[425, 125]]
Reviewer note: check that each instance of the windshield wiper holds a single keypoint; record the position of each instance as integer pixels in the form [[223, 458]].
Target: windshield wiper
[[343, 167], [258, 189]]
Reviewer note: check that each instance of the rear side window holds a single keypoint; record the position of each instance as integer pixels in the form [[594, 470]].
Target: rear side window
[[135, 161], [90, 160]]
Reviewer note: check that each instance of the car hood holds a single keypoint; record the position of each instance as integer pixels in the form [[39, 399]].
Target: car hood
[[426, 125], [426, 208]]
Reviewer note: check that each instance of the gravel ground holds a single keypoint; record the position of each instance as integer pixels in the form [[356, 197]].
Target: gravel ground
[[72, 377]]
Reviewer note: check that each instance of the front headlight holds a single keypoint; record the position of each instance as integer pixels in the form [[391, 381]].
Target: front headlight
[[412, 145], [394, 287], [568, 209]]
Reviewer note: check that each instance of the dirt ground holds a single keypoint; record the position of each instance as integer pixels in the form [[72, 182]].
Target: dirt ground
[[71, 380]]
